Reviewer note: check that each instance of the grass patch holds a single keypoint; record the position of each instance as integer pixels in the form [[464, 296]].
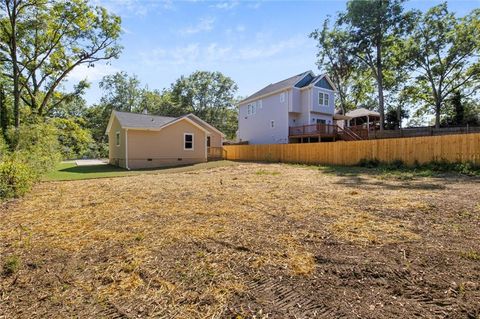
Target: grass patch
[[471, 254], [398, 170], [67, 171], [11, 265]]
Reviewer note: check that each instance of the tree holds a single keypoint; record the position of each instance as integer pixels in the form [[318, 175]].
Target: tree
[[122, 92], [444, 51], [74, 140], [43, 41], [209, 95], [373, 28]]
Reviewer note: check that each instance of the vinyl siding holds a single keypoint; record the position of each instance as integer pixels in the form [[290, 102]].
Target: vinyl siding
[[256, 128], [165, 147]]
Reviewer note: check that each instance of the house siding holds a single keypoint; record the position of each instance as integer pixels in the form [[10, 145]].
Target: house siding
[[165, 147], [320, 109], [256, 128], [116, 154]]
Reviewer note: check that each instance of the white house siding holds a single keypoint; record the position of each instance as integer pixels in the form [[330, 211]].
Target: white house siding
[[320, 111], [257, 128]]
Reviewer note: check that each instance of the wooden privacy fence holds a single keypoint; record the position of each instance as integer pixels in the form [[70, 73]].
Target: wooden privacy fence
[[452, 148]]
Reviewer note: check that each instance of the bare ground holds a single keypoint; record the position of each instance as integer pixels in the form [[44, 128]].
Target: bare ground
[[245, 241]]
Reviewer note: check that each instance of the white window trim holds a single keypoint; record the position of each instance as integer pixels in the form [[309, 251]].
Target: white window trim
[[325, 98], [117, 140], [252, 108], [184, 141], [282, 97]]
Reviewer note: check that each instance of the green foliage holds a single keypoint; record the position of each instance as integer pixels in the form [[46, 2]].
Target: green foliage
[[41, 43], [369, 163], [442, 48], [16, 178], [36, 152], [208, 95], [36, 146], [75, 141], [354, 85], [373, 29], [440, 166], [11, 265]]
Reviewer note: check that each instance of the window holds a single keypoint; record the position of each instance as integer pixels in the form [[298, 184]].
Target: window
[[117, 138], [251, 108], [323, 99], [188, 141], [320, 121], [282, 97], [208, 141], [259, 104], [272, 123]]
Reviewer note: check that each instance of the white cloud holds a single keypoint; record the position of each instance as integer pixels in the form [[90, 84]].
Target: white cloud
[[203, 25], [213, 53], [254, 5], [134, 7], [227, 5], [91, 74]]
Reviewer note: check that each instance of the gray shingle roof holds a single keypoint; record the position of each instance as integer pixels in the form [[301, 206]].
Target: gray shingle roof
[[277, 86], [136, 120]]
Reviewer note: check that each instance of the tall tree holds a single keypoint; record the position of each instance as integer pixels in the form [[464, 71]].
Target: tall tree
[[444, 51], [334, 58], [209, 95], [43, 41], [122, 92], [373, 27]]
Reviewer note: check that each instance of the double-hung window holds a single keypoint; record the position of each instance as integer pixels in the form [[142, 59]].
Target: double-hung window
[[323, 99], [251, 108], [188, 141]]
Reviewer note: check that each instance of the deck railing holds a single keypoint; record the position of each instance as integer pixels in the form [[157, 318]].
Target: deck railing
[[313, 129]]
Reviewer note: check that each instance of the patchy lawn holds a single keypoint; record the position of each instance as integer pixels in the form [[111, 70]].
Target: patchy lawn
[[67, 171], [250, 240]]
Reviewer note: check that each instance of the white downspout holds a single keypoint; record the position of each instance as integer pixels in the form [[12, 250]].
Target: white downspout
[[126, 149]]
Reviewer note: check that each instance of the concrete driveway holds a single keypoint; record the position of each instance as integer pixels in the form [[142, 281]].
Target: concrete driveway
[[88, 162]]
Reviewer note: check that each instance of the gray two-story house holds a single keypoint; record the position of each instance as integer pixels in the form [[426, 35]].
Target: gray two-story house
[[298, 109]]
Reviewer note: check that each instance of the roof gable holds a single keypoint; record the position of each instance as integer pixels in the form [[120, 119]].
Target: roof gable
[[154, 122], [323, 83], [307, 79], [274, 87]]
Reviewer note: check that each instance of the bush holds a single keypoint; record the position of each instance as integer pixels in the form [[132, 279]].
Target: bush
[[74, 140], [369, 163], [16, 178], [36, 152]]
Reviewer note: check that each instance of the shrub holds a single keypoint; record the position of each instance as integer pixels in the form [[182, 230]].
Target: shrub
[[16, 178], [369, 163], [36, 152], [11, 265], [74, 140]]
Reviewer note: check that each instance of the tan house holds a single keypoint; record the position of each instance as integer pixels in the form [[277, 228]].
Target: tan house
[[145, 141]]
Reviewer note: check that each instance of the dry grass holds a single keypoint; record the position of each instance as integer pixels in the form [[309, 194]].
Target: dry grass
[[190, 244]]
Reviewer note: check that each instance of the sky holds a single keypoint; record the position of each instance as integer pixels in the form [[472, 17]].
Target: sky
[[253, 42]]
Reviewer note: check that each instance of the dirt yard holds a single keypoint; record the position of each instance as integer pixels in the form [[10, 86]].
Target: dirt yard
[[244, 241]]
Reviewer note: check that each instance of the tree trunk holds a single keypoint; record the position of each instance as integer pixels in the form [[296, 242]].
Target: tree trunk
[[16, 71], [381, 102], [437, 113], [399, 116], [3, 113]]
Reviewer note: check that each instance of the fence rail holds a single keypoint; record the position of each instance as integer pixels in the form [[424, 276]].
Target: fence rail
[[452, 148]]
